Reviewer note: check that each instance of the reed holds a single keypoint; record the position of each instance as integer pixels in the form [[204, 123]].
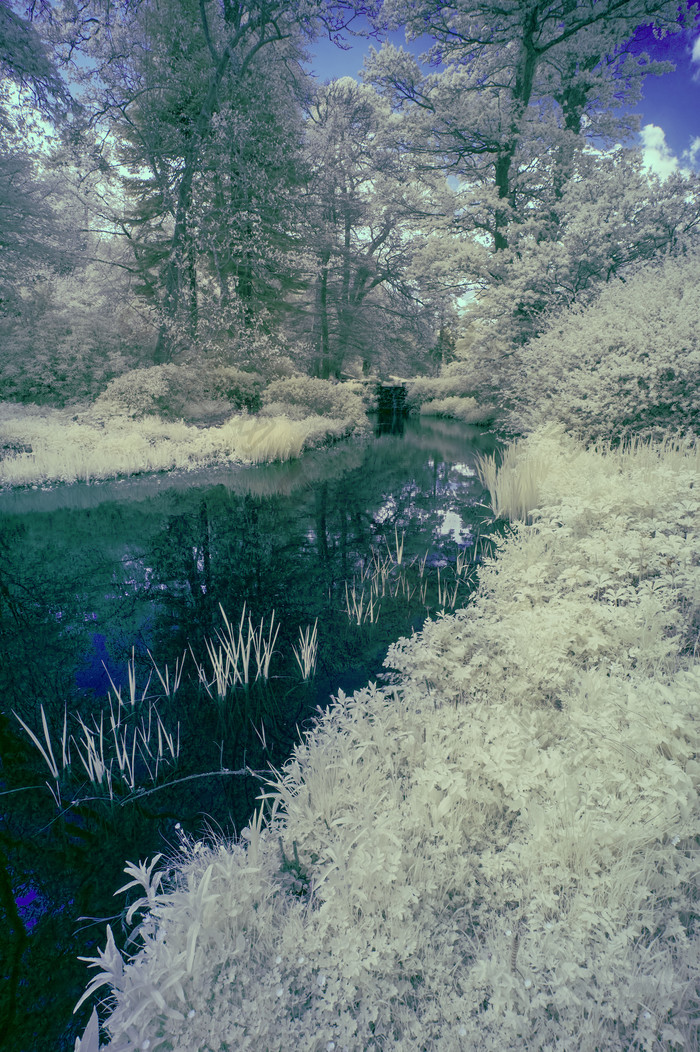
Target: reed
[[514, 486], [361, 609], [63, 450], [307, 652], [133, 744]]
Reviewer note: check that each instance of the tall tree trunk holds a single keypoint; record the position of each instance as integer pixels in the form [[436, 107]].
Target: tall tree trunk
[[344, 312], [522, 93], [324, 364]]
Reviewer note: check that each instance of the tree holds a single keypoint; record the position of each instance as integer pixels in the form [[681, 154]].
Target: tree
[[517, 92], [521, 81], [610, 218], [367, 209], [31, 236], [202, 98], [25, 61]]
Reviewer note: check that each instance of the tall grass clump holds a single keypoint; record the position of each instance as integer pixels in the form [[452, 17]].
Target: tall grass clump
[[56, 448], [497, 851]]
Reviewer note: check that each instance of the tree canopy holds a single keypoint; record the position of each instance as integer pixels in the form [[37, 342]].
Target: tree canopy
[[242, 209]]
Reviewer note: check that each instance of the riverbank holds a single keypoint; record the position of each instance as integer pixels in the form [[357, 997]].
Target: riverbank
[[50, 446], [497, 851]]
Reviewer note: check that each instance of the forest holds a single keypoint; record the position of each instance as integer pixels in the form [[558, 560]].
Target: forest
[[211, 257], [180, 195]]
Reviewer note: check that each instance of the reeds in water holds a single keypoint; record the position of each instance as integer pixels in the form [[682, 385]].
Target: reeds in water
[[514, 486], [307, 653], [231, 660], [131, 745]]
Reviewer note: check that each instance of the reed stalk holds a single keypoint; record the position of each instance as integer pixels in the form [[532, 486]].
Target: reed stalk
[[306, 655]]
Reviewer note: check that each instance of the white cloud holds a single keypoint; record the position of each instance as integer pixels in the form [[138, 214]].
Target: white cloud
[[692, 154], [695, 57], [656, 155]]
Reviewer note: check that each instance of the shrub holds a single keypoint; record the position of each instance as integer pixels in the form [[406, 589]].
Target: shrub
[[160, 390], [465, 409], [426, 388], [316, 397], [177, 391], [241, 389], [628, 364]]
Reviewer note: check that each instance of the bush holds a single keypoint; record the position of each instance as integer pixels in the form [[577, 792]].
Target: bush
[[316, 397], [239, 388], [465, 409], [628, 364], [426, 388], [176, 391], [160, 390]]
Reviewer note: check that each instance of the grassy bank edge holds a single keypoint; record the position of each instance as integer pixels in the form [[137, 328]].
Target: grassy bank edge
[[51, 447]]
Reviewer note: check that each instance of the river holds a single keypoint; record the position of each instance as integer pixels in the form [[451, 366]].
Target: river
[[363, 541]]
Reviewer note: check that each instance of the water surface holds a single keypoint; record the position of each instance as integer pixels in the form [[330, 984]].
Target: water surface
[[382, 531]]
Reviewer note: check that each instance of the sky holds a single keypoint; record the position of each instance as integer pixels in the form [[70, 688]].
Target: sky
[[669, 108]]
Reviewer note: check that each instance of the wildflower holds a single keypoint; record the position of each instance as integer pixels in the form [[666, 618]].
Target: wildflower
[[191, 1013], [321, 980], [462, 1031], [278, 959]]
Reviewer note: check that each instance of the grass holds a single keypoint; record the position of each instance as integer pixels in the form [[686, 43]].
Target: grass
[[54, 447], [498, 850]]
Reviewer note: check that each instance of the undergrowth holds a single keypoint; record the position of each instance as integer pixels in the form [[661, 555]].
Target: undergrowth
[[496, 850]]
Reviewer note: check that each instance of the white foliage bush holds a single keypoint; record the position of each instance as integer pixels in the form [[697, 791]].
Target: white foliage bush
[[176, 391], [627, 364], [309, 396], [467, 410], [498, 852], [427, 388]]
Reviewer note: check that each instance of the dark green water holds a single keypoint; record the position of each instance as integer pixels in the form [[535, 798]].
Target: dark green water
[[90, 575]]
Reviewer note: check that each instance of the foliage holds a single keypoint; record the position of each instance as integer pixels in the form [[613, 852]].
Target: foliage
[[465, 409], [24, 59], [314, 397], [609, 220], [365, 204], [68, 336], [421, 389], [518, 103], [174, 391], [497, 852], [201, 102], [627, 364]]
